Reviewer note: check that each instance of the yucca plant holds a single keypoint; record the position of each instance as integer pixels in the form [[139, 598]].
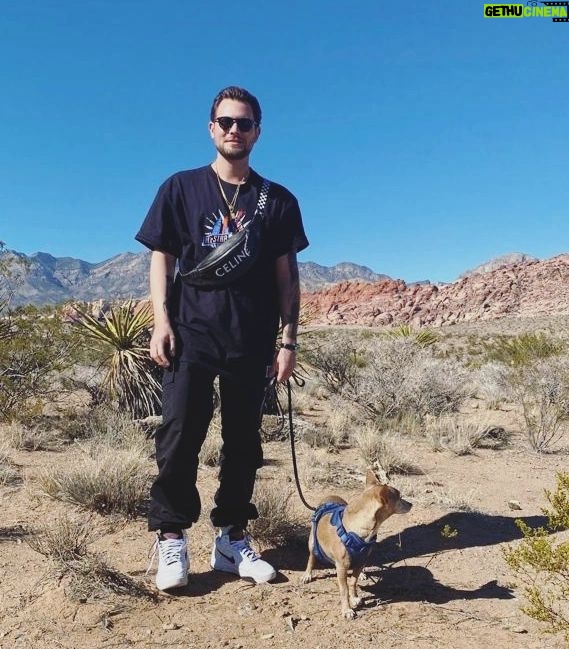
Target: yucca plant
[[131, 378], [423, 337]]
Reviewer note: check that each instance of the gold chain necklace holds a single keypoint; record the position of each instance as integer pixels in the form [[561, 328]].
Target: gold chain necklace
[[230, 204]]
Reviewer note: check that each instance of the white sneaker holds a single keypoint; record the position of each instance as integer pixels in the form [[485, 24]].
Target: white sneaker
[[173, 562], [239, 558]]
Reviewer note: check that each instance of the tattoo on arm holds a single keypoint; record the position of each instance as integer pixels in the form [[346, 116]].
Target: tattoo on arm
[[291, 299], [169, 287]]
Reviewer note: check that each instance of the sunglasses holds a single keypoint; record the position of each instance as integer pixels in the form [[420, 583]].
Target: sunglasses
[[244, 124]]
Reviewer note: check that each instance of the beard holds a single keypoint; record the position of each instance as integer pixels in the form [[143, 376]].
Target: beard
[[233, 153]]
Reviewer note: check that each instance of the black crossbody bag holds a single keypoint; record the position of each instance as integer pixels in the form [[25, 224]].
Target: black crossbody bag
[[233, 258]]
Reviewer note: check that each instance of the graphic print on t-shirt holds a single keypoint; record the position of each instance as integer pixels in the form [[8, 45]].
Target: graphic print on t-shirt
[[218, 228]]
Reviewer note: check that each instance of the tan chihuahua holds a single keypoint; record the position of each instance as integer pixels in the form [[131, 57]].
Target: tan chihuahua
[[343, 533]]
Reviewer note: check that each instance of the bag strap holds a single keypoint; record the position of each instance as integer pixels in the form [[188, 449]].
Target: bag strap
[[263, 195]]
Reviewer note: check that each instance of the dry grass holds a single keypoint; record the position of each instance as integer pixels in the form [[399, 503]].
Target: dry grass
[[31, 438], [453, 433], [211, 448], [9, 475], [319, 436], [385, 450], [277, 523], [106, 425], [404, 379], [65, 541], [492, 384], [111, 481], [454, 500], [316, 469], [342, 418]]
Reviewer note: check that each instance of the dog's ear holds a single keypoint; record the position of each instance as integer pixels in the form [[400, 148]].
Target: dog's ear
[[371, 479]]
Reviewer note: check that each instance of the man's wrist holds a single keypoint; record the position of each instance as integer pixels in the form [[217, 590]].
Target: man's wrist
[[292, 347]]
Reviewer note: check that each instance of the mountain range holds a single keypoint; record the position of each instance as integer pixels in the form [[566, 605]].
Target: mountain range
[[515, 285], [41, 279]]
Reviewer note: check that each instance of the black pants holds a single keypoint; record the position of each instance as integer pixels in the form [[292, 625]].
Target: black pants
[[187, 409]]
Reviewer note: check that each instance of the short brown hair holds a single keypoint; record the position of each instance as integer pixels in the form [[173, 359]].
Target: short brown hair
[[237, 94]]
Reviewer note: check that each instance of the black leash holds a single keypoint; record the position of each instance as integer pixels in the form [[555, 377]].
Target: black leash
[[271, 393], [292, 447]]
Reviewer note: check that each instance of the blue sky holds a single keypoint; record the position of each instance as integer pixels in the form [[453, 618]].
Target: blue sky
[[420, 138]]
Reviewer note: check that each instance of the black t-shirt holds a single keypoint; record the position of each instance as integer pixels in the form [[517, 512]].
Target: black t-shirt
[[187, 219]]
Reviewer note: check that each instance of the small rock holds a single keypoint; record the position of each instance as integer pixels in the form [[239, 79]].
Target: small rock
[[514, 504], [291, 623], [247, 608], [170, 626]]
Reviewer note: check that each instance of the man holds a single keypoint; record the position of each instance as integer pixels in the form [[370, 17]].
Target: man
[[225, 328]]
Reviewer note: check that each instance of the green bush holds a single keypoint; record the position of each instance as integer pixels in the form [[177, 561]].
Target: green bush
[[36, 347], [523, 349], [542, 564]]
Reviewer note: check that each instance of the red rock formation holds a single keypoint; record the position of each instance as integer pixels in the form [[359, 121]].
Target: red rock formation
[[523, 289]]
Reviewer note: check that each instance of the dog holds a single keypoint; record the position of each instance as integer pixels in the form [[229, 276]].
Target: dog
[[343, 533]]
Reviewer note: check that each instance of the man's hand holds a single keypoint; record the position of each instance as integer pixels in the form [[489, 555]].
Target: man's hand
[[162, 345], [284, 365]]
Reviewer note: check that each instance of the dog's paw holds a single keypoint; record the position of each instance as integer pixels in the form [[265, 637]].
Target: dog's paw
[[349, 614], [355, 601], [306, 578]]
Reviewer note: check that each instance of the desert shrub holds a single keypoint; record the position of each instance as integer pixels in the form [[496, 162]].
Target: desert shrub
[[65, 541], [558, 515], [318, 436], [34, 436], [523, 349], [35, 349], [108, 426], [316, 467], [542, 391], [108, 480], [401, 378], [336, 358], [9, 474], [384, 451], [463, 437], [542, 564], [342, 418], [277, 523], [131, 378], [492, 383]]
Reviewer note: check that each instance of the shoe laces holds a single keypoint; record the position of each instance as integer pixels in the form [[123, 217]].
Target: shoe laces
[[168, 549], [244, 548]]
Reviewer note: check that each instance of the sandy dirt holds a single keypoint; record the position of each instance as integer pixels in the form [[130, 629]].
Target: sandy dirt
[[421, 590]]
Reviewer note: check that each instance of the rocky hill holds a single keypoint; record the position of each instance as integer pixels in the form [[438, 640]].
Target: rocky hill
[[499, 262], [525, 288], [346, 294], [43, 279]]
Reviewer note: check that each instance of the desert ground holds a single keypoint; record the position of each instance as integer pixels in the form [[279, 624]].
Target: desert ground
[[437, 577]]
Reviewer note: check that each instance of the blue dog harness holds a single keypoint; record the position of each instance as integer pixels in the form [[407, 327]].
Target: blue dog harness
[[356, 546]]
